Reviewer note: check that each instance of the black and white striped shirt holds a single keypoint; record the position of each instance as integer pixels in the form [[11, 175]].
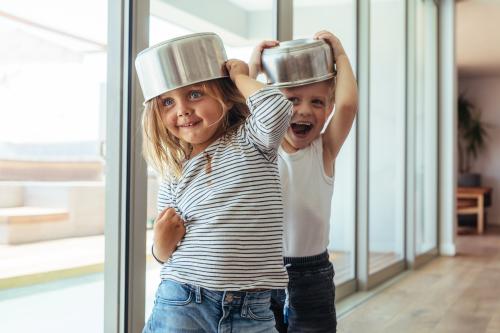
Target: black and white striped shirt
[[234, 211]]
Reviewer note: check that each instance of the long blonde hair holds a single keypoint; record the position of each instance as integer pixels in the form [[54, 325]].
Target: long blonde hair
[[165, 152]]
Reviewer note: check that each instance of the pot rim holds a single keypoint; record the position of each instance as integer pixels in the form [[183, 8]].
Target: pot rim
[[290, 84], [303, 43], [168, 41]]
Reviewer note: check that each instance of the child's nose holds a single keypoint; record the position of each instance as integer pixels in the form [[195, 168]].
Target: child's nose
[[184, 110], [304, 111]]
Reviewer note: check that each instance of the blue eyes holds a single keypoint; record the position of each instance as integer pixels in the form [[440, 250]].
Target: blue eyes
[[195, 94], [192, 95], [168, 102]]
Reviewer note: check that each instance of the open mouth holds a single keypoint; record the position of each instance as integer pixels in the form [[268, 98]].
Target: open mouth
[[301, 128]]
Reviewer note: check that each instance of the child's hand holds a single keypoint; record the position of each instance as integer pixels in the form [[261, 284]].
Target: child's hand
[[255, 64], [238, 71], [236, 67], [331, 39], [168, 232]]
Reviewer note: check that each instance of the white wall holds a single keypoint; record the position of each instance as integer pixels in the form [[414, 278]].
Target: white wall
[[484, 92]]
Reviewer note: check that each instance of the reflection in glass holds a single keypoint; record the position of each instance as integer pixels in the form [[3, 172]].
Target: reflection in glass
[[386, 133]]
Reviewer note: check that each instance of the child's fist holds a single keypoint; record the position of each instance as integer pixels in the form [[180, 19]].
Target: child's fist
[[168, 232], [236, 67], [255, 64], [331, 39]]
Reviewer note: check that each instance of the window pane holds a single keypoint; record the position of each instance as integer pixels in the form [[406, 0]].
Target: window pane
[[52, 182], [338, 17], [386, 133], [426, 128], [242, 26]]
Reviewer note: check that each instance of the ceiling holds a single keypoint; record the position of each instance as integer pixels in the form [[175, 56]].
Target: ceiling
[[478, 37]]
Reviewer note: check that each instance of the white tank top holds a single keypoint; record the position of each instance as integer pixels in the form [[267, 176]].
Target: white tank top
[[307, 197]]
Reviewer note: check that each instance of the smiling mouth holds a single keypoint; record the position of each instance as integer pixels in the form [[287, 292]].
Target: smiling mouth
[[301, 128], [190, 124]]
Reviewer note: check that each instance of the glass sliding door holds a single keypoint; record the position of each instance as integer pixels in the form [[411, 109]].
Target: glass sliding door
[[387, 133], [426, 140], [52, 172], [338, 17]]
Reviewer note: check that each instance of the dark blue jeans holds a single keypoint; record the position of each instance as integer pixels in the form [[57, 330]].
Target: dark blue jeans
[[311, 296]]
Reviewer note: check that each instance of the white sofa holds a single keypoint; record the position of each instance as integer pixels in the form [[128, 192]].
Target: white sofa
[[36, 211]]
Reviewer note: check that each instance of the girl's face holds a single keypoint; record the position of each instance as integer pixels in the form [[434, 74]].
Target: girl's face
[[311, 107], [192, 116]]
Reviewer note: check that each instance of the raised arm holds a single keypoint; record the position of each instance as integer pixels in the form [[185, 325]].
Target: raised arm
[[270, 110], [346, 97]]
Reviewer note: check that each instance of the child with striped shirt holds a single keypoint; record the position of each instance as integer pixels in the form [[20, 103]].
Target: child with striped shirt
[[220, 225]]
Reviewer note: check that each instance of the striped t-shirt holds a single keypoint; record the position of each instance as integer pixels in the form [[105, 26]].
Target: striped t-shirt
[[233, 209]]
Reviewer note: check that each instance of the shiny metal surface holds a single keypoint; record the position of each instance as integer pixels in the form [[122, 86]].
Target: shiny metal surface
[[179, 62], [298, 62]]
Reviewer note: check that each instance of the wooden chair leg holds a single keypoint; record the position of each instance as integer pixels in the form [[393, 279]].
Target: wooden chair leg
[[480, 217]]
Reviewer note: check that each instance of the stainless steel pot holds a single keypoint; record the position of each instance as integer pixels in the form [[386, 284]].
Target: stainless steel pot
[[298, 62], [179, 62]]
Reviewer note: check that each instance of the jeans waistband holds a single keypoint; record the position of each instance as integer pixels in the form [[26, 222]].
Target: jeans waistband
[[228, 297], [316, 260]]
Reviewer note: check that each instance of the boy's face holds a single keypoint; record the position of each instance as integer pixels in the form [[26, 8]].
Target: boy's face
[[311, 107]]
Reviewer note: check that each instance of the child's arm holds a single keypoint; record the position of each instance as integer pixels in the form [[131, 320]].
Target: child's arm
[[168, 232], [270, 110], [346, 98]]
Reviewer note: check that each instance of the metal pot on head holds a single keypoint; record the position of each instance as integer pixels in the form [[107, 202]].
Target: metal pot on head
[[298, 62], [180, 62]]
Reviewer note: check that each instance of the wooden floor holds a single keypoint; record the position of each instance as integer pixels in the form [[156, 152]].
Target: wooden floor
[[458, 294]]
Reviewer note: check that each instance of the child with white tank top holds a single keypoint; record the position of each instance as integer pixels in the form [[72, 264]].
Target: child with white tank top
[[306, 163]]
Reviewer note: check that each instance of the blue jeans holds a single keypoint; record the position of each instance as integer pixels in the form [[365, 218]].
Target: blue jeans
[[311, 296], [182, 308]]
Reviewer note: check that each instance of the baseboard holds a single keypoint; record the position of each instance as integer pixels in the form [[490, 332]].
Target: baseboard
[[447, 249]]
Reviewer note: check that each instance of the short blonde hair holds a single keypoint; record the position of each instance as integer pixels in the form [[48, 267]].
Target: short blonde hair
[[331, 88], [165, 152], [331, 92]]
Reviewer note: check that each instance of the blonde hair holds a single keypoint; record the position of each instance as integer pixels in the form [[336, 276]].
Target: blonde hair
[[165, 152], [331, 92]]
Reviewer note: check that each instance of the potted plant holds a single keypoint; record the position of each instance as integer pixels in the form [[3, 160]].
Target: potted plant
[[471, 140]]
